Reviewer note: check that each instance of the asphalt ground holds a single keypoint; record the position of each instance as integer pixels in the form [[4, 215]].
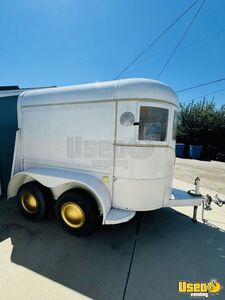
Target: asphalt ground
[[142, 259]]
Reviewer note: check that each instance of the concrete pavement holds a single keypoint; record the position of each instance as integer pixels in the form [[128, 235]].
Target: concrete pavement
[[41, 261]]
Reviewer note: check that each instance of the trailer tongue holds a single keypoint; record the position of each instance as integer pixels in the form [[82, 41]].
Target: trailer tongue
[[184, 198], [194, 198]]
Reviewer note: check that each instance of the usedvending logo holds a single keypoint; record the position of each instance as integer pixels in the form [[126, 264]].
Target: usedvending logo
[[200, 289]]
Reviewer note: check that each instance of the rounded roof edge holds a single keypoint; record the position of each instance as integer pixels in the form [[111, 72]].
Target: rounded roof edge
[[133, 88], [143, 88]]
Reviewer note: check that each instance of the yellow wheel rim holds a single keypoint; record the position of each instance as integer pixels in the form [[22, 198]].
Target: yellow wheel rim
[[72, 215], [29, 203]]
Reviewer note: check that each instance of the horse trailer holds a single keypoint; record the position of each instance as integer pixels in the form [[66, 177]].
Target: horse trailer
[[101, 151]]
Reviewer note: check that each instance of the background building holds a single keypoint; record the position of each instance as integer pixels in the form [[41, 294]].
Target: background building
[[8, 127]]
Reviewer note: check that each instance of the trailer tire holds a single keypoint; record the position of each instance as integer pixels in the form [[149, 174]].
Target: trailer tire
[[31, 201], [77, 212]]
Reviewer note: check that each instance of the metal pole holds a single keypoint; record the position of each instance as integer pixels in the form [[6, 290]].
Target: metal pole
[[194, 219]]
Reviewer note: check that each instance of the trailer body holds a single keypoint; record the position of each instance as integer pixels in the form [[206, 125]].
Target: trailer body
[[115, 140]]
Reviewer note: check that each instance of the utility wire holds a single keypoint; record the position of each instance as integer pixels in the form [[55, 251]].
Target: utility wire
[[156, 39], [180, 41], [200, 85], [178, 50], [203, 96]]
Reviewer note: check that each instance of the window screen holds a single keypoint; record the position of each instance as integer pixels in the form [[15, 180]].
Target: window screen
[[153, 123], [175, 125]]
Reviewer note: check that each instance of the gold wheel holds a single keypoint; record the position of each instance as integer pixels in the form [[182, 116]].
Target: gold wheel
[[73, 215], [29, 203]]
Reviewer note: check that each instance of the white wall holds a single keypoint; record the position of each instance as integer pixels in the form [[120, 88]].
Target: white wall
[[69, 136]]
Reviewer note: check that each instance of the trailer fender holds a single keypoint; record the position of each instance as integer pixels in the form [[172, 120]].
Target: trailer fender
[[60, 181]]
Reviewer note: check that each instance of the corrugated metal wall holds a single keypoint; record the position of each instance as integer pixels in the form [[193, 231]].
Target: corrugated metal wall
[[8, 127]]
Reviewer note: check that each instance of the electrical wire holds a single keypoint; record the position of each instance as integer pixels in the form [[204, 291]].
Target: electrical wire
[[178, 50], [200, 85], [181, 40], [203, 96], [155, 40]]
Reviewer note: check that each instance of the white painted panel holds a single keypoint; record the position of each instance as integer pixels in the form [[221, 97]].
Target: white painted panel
[[78, 136], [126, 134], [168, 189], [138, 195], [144, 162]]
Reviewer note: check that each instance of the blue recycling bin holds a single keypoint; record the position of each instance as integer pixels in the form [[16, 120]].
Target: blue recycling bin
[[180, 150], [195, 151]]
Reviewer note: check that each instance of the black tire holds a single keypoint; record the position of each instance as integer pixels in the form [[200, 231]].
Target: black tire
[[84, 219], [31, 201]]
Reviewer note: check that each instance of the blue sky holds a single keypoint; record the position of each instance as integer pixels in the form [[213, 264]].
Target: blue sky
[[65, 42]]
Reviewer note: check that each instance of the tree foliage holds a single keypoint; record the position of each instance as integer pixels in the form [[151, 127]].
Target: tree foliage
[[202, 123]]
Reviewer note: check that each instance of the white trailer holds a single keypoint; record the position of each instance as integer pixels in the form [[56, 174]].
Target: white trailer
[[102, 150]]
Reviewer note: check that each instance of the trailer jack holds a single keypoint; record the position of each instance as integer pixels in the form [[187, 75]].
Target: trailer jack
[[195, 193]]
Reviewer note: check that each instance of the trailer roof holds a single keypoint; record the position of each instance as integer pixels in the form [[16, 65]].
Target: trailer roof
[[134, 88]]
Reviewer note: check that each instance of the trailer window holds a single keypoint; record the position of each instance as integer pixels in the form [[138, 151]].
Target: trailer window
[[175, 125], [153, 123]]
